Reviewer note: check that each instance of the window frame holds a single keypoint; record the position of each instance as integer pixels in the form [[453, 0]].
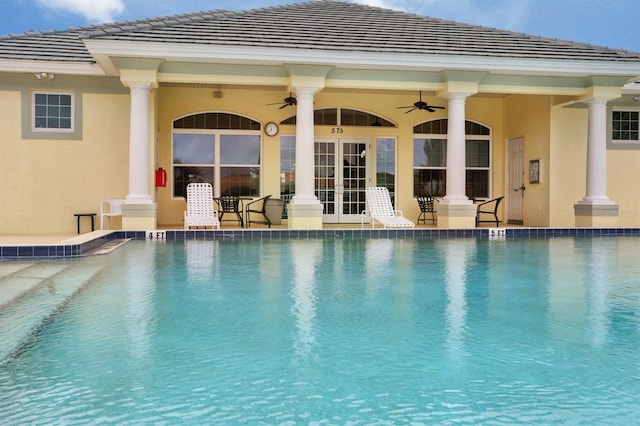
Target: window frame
[[27, 109], [380, 141], [469, 137], [217, 165], [622, 143]]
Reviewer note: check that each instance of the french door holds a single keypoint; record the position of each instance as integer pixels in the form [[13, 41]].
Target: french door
[[341, 176]]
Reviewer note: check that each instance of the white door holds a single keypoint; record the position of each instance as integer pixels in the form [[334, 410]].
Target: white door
[[515, 180], [341, 176]]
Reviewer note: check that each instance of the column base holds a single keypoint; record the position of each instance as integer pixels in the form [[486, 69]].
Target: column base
[[139, 217], [304, 216], [457, 216], [596, 215]]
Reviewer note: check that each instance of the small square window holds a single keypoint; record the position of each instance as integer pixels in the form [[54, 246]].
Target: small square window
[[52, 112], [625, 126]]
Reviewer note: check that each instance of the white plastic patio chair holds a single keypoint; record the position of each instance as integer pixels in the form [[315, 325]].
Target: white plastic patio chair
[[109, 209], [200, 211], [381, 210]]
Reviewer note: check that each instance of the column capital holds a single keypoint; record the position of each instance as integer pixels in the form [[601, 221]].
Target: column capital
[[134, 77], [456, 97], [597, 101], [305, 92], [141, 87]]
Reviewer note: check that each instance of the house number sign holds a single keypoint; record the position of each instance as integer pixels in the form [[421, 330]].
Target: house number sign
[[337, 130]]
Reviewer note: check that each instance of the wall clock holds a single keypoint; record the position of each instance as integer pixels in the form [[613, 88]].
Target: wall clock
[[271, 129]]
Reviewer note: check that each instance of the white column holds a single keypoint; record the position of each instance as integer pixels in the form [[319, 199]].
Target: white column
[[139, 151], [456, 166], [305, 148], [597, 152]]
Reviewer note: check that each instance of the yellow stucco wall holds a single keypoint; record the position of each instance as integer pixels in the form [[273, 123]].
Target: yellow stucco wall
[[567, 164], [44, 182], [623, 184], [528, 117]]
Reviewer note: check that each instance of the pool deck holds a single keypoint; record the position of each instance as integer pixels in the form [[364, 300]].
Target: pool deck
[[61, 239]]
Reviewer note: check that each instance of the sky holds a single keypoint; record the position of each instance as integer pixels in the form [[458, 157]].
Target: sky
[[614, 24]]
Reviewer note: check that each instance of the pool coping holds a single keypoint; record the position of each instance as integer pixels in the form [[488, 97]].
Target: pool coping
[[89, 244]]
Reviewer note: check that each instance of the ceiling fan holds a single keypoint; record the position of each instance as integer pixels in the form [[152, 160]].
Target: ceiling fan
[[288, 101], [421, 105]]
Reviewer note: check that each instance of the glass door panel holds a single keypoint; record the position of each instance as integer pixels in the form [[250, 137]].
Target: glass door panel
[[341, 176]]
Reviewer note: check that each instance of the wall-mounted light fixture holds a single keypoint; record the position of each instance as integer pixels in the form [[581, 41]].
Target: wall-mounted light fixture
[[44, 76], [217, 94], [636, 99]]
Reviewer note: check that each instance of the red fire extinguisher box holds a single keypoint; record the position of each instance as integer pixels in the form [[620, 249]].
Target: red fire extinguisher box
[[161, 178]]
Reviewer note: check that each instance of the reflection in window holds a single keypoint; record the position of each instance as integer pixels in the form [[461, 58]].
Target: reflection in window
[[184, 175], [193, 149], [240, 149], [241, 181]]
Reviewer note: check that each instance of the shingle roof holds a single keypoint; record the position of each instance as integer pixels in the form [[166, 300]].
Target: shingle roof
[[325, 25], [58, 46]]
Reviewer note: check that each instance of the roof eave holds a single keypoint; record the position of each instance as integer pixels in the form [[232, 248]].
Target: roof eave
[[36, 66], [103, 50]]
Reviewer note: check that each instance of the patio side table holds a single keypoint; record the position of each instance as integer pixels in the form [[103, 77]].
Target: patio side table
[[91, 215]]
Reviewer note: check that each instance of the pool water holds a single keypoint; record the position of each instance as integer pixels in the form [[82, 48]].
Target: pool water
[[378, 331]]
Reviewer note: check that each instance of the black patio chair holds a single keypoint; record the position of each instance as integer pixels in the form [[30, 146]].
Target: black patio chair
[[427, 205], [230, 204], [489, 208], [257, 208]]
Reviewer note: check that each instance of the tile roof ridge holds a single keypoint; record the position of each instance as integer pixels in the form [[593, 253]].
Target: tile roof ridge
[[181, 18]]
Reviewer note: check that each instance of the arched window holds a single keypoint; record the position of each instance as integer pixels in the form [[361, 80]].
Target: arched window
[[344, 117], [219, 148], [430, 159]]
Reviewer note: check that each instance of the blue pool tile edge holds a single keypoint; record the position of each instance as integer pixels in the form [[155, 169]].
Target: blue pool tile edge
[[56, 251]]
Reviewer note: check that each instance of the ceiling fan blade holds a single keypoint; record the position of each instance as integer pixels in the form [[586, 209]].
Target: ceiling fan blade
[[430, 109], [408, 106], [437, 107], [284, 106], [275, 103], [410, 110]]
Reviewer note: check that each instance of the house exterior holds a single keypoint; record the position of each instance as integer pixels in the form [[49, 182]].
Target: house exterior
[[311, 102]]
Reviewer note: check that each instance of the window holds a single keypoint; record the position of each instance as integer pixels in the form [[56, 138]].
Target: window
[[193, 160], [429, 166], [430, 159], [221, 149], [625, 126], [240, 165], [287, 171], [52, 112], [344, 117], [386, 164]]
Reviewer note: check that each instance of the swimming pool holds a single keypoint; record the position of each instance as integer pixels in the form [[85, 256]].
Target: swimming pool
[[341, 331]]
